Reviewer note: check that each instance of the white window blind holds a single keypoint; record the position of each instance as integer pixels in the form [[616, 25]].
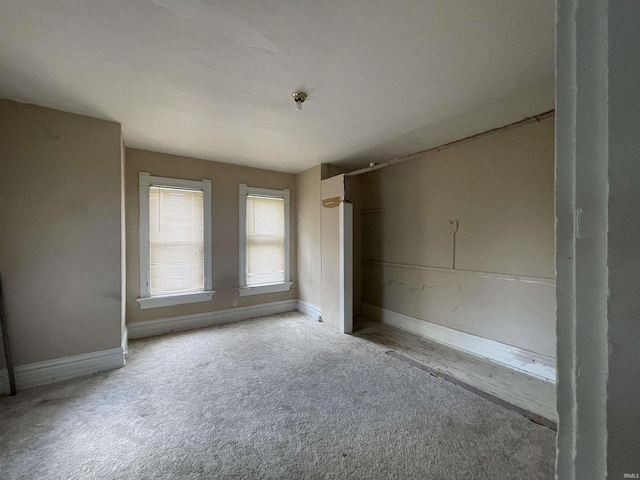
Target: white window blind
[[176, 234], [265, 240]]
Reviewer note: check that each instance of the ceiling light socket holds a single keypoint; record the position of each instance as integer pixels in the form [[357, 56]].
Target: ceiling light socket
[[299, 98]]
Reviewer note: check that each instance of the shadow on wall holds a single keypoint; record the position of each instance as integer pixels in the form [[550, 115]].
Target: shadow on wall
[[75, 101]]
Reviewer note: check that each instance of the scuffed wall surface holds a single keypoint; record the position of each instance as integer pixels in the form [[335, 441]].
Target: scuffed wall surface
[[486, 306], [465, 237]]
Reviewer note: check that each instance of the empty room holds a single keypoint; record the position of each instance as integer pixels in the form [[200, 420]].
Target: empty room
[[301, 240]]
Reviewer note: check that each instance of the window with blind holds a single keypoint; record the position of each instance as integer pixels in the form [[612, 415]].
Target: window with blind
[[264, 240], [175, 241]]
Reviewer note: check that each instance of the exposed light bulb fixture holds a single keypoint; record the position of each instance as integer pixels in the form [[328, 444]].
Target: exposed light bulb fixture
[[299, 98]]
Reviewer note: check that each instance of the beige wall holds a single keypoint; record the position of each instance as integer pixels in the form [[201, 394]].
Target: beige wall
[[60, 231], [500, 191], [225, 179], [308, 204]]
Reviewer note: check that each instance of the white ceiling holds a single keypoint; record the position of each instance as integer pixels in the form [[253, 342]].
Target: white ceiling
[[213, 79]]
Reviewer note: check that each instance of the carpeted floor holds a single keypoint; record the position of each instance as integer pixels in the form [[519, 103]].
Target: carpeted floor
[[278, 397]]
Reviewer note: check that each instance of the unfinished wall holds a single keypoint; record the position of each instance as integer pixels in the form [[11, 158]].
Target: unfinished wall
[[60, 232], [225, 179], [308, 208], [465, 237]]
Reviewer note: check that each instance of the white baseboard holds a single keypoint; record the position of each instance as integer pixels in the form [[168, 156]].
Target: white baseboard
[[308, 309], [125, 341], [535, 364], [188, 322], [59, 369]]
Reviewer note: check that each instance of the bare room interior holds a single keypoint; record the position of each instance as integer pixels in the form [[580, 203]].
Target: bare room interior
[[364, 239]]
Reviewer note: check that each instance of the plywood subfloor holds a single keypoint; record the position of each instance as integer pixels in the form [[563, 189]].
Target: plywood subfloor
[[522, 390]]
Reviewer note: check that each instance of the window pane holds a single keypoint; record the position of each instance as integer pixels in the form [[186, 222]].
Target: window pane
[[265, 240], [176, 228]]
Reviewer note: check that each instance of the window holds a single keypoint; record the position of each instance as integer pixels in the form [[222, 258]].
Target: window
[[175, 241], [264, 240]]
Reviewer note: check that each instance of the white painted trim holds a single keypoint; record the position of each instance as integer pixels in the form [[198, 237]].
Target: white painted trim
[[208, 243], [242, 235], [188, 322], [308, 309], [178, 183], [146, 181], [60, 369], [145, 260], [346, 267], [532, 363], [243, 192], [167, 300], [267, 288], [125, 342], [287, 235], [264, 192]]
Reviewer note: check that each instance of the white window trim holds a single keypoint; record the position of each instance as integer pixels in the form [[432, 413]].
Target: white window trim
[[243, 289], [146, 300]]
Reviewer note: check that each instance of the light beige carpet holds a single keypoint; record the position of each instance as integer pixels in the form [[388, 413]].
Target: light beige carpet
[[280, 397]]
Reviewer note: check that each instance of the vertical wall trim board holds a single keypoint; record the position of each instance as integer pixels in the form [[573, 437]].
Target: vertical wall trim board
[[208, 259], [565, 237], [125, 341], [346, 267], [145, 261], [589, 106]]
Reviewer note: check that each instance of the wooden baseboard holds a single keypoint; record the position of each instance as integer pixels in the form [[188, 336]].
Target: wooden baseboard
[[208, 319], [60, 369], [308, 309], [532, 363]]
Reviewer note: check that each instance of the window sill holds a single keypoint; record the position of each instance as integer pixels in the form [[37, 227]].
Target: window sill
[[168, 300], [268, 288]]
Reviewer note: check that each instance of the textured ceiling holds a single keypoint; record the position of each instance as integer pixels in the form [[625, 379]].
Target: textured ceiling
[[213, 79]]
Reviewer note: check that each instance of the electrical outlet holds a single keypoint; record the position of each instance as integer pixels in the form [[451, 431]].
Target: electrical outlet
[[235, 303]]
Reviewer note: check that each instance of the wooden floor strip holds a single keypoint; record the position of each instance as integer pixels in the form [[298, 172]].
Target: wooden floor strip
[[531, 416]]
